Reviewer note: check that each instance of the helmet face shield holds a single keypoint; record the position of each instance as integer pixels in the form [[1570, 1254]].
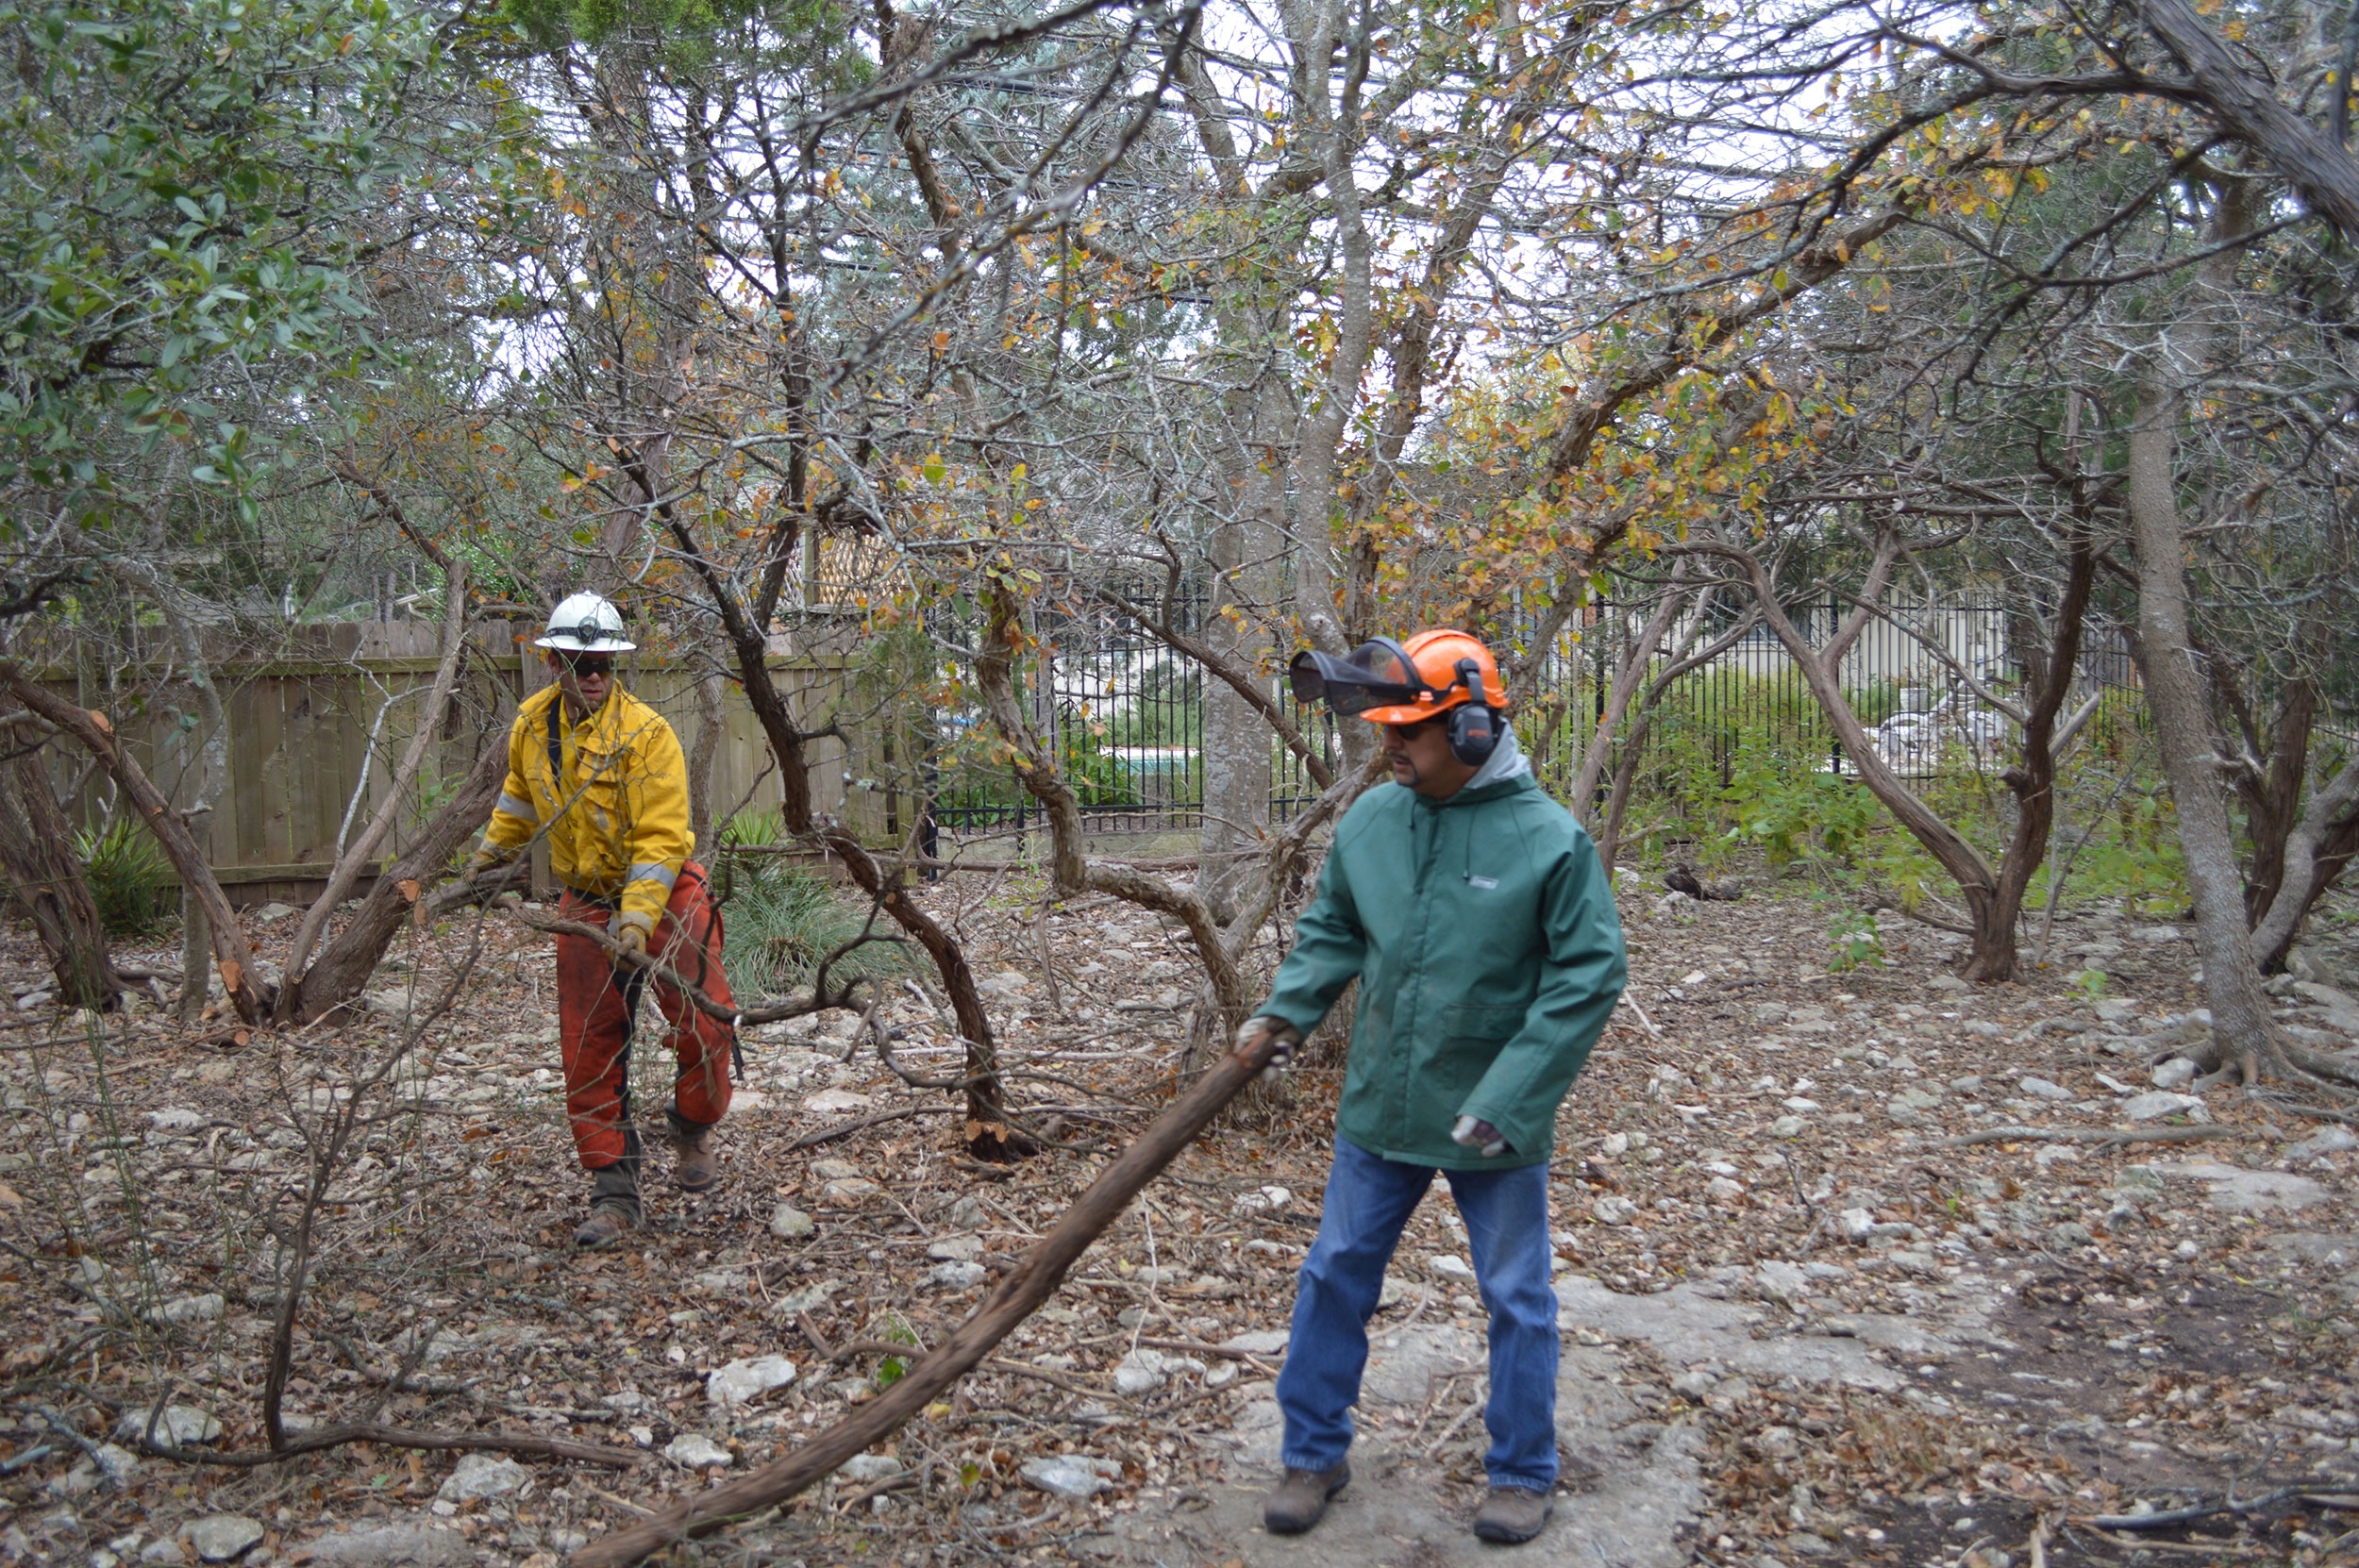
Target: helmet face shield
[[1377, 674]]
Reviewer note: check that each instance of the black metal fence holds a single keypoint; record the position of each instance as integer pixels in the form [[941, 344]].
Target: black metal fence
[[1126, 714]]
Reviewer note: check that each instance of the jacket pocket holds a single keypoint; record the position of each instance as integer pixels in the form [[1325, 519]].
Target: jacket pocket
[[1472, 1021]]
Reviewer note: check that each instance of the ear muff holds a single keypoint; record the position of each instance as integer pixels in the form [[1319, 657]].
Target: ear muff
[[1474, 727], [1474, 733]]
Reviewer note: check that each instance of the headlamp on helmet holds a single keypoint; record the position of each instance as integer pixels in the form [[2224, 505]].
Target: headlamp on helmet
[[585, 623]]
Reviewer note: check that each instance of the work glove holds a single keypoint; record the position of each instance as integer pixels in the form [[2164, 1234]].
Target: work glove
[[1481, 1135], [632, 930], [484, 859], [1288, 1038]]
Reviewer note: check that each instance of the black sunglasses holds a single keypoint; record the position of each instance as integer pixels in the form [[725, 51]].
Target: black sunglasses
[[588, 664]]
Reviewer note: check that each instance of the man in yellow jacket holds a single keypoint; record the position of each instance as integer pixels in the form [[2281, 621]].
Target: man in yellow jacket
[[602, 776]]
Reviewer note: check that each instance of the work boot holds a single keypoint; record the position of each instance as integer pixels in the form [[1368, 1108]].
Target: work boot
[[1512, 1516], [614, 1206], [602, 1229], [1300, 1499], [700, 1161]]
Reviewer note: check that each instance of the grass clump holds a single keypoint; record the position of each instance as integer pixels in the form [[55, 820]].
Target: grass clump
[[129, 879], [779, 922]]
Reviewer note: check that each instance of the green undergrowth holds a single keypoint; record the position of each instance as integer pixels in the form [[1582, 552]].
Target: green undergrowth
[[780, 922], [1739, 769], [130, 880]]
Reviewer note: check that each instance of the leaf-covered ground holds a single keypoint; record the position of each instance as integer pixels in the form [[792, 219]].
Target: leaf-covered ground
[[1861, 1338]]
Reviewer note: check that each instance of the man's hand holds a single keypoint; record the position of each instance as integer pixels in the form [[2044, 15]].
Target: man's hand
[[1481, 1135], [631, 932], [1252, 1030], [484, 859]]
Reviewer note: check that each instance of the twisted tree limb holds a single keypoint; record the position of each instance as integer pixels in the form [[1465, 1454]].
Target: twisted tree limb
[[346, 871], [231, 955]]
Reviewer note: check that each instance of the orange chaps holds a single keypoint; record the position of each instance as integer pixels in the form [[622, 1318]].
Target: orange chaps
[[595, 1006]]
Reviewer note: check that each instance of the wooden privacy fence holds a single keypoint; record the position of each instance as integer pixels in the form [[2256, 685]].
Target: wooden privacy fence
[[326, 711]]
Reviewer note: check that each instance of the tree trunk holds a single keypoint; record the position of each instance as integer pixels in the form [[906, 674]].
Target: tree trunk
[[344, 965], [198, 940], [2272, 800], [1627, 677], [710, 725], [988, 1134], [230, 953], [1235, 747], [36, 855], [2178, 698], [2315, 851], [2243, 105], [2033, 776], [1993, 942], [346, 871], [1617, 797]]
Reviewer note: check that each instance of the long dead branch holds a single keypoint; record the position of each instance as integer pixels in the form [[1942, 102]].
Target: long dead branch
[[2090, 1135], [402, 1437], [797, 1007], [1034, 1280]]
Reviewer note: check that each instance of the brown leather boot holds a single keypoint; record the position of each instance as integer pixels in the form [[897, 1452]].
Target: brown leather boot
[[700, 1161], [1512, 1516], [614, 1205], [1299, 1500], [602, 1229]]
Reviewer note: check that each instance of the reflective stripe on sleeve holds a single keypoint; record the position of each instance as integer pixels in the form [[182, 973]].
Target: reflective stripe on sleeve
[[655, 872], [514, 807]]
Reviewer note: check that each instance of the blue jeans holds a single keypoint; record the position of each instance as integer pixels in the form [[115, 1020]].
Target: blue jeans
[[1369, 1200]]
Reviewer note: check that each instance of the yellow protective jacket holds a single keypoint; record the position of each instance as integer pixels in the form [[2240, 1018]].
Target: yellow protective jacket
[[616, 804]]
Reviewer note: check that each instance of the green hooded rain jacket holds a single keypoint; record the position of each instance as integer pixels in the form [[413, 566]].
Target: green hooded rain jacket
[[1489, 957]]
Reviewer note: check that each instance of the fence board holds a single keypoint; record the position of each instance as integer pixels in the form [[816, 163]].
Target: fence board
[[299, 712]]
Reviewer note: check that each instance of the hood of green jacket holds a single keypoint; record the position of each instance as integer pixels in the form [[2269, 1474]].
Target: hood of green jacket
[[1489, 956]]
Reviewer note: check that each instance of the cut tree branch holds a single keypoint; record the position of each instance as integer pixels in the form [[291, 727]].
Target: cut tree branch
[[1034, 1280]]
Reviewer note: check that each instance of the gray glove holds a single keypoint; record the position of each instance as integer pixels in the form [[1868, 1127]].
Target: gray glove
[[1288, 1038], [1479, 1135]]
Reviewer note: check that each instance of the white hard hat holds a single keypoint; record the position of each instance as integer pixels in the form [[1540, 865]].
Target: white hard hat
[[586, 624]]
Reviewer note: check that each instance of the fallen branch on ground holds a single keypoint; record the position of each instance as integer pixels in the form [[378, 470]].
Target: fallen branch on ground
[[769, 1013], [2091, 1135], [1016, 1298], [845, 1129], [403, 1437], [2168, 1517]]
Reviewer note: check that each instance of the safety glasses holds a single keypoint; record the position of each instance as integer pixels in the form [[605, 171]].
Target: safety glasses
[[1376, 674], [589, 665]]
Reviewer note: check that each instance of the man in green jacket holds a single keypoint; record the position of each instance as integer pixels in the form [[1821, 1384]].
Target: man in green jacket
[[1473, 912]]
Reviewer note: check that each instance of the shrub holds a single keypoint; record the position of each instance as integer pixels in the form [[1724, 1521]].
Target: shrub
[[778, 921], [1101, 779], [130, 880]]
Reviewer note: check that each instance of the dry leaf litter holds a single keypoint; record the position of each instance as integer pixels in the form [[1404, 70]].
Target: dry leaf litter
[[1802, 1322]]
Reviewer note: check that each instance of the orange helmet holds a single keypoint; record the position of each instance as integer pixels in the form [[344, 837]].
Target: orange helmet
[[1391, 683]]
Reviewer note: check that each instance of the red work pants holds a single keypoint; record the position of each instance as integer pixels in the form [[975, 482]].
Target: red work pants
[[594, 1005]]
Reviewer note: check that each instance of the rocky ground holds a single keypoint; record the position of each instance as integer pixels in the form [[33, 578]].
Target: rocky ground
[[1852, 1269]]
